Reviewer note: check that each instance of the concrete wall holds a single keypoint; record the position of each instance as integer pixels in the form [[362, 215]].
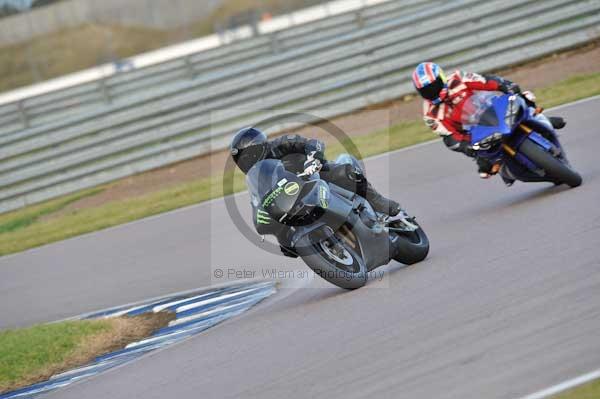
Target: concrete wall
[[69, 13]]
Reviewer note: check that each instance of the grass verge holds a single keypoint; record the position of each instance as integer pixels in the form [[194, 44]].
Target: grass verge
[[34, 354], [10, 222], [591, 390], [34, 232]]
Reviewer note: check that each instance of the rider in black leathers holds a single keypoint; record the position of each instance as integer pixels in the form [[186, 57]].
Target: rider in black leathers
[[300, 154]]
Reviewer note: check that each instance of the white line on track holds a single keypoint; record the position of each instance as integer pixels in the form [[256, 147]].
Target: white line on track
[[207, 313], [563, 386], [159, 308], [209, 202], [213, 300]]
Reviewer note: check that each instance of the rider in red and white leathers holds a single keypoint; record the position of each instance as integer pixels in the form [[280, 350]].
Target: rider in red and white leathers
[[444, 100]]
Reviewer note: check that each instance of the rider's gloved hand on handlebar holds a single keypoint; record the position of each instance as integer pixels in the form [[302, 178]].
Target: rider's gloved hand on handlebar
[[312, 165], [529, 98]]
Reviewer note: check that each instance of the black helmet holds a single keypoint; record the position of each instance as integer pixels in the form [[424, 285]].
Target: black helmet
[[248, 146]]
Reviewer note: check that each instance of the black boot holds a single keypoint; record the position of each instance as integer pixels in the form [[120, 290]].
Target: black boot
[[557, 122], [380, 203]]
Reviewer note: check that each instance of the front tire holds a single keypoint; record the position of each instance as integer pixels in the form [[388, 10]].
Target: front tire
[[556, 171], [346, 269]]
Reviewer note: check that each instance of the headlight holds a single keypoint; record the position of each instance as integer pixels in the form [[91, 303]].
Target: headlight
[[487, 142], [511, 111]]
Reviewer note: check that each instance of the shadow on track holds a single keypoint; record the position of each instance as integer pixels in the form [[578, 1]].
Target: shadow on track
[[512, 202], [531, 196]]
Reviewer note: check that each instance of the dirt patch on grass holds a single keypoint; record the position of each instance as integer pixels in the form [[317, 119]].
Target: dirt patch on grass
[[530, 76], [124, 330], [121, 332]]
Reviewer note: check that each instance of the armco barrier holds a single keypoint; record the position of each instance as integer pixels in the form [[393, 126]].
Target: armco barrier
[[167, 120]]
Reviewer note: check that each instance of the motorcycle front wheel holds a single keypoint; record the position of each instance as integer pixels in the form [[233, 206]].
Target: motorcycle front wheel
[[333, 260], [556, 171]]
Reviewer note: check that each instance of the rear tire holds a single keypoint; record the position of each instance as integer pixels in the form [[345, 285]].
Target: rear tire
[[411, 247], [556, 171], [315, 255]]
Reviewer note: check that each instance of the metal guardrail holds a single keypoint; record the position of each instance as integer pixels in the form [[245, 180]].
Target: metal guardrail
[[244, 68], [36, 109], [185, 118]]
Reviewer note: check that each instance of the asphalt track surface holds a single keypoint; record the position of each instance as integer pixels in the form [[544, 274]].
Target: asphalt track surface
[[507, 303]]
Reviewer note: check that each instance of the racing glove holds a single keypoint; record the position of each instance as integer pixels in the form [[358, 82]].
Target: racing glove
[[529, 98], [312, 165]]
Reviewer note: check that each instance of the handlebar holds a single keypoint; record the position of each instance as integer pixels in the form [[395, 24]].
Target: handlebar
[[322, 167]]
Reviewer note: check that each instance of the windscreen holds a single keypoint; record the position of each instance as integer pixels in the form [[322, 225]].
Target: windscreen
[[264, 176], [479, 110]]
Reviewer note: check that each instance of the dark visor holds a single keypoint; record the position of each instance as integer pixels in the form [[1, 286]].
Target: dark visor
[[432, 91], [251, 155]]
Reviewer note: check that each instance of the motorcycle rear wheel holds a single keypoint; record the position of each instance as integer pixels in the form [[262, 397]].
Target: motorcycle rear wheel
[[411, 247]]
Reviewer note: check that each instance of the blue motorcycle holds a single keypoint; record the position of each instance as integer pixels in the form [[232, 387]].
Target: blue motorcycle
[[510, 134]]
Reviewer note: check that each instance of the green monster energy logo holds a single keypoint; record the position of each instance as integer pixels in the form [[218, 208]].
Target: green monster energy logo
[[271, 197], [323, 197], [262, 217]]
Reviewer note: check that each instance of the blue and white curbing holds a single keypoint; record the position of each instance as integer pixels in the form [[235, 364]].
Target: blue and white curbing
[[195, 312]]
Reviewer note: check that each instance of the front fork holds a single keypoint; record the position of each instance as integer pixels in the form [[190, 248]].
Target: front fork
[[538, 139]]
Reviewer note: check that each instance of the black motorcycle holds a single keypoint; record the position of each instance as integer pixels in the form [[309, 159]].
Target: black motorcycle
[[335, 231]]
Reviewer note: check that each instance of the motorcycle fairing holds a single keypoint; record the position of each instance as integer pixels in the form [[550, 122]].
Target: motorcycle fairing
[[347, 207], [513, 136], [480, 132]]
